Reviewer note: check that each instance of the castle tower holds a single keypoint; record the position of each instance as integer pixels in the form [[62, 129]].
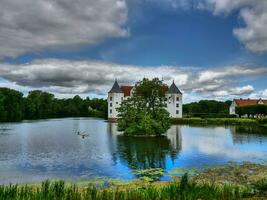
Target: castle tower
[[174, 101], [115, 97]]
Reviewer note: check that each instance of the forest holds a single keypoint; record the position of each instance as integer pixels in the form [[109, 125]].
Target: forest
[[41, 105]]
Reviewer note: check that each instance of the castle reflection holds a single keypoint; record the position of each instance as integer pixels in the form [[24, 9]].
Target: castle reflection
[[142, 152]]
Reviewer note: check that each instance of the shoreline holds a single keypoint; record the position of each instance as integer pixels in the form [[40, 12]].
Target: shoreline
[[260, 122], [248, 179]]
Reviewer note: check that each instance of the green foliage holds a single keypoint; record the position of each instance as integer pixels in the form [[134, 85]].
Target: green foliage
[[207, 108], [41, 105], [144, 112], [216, 121], [252, 110], [152, 174], [184, 182], [11, 105], [173, 191]]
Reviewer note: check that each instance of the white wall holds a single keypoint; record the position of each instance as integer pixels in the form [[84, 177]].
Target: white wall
[[114, 101], [172, 103], [232, 108]]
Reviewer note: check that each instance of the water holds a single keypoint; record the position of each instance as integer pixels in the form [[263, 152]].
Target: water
[[32, 151]]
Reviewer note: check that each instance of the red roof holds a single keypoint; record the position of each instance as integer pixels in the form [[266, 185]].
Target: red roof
[[126, 90], [249, 102]]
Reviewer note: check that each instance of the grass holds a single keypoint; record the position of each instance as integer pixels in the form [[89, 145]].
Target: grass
[[227, 182], [221, 121], [173, 191]]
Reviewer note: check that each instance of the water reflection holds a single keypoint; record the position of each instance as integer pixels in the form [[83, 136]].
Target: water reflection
[[248, 134], [38, 150], [145, 153]]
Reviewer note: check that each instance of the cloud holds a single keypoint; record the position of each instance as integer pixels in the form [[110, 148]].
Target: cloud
[[230, 71], [32, 26], [66, 77], [252, 13], [236, 91], [254, 16], [258, 94]]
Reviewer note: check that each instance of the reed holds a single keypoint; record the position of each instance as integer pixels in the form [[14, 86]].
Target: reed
[[181, 190]]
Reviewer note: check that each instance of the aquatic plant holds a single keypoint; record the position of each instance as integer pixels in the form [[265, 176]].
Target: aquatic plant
[[152, 174]]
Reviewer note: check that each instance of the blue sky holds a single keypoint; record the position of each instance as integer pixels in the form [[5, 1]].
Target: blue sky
[[212, 49]]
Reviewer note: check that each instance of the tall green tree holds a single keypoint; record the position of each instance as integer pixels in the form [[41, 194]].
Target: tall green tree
[[39, 104], [11, 105], [207, 108], [144, 112]]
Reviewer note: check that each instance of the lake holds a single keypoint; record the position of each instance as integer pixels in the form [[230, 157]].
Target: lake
[[32, 151]]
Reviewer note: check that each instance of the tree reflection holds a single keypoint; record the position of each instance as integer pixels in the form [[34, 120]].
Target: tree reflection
[[247, 134], [145, 153]]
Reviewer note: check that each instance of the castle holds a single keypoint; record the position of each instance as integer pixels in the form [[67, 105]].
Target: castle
[[117, 94]]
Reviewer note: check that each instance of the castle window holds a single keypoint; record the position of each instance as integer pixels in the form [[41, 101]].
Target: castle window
[[110, 98], [116, 102], [177, 112], [110, 104], [177, 105], [177, 98], [110, 111]]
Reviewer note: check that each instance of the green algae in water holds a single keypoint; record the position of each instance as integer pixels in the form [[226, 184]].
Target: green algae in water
[[181, 171], [152, 174]]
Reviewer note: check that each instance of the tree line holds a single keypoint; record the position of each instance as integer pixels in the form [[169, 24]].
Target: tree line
[[207, 108], [40, 105]]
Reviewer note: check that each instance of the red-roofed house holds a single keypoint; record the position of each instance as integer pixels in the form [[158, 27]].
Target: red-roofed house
[[245, 102]]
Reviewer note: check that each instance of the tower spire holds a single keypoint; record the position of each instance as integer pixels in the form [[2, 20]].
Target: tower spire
[[174, 89], [115, 88]]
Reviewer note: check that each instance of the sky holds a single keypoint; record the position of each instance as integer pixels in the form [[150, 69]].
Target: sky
[[212, 49]]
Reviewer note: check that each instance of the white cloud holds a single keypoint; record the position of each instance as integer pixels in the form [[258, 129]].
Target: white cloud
[[31, 26], [236, 91], [252, 12], [230, 71], [254, 16], [259, 94], [242, 90], [66, 77]]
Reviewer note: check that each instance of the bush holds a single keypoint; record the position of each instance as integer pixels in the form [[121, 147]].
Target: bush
[[252, 110]]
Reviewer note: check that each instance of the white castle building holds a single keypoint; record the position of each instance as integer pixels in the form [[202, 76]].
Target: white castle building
[[118, 93]]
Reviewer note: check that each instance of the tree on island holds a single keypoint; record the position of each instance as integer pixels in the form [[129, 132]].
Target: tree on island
[[144, 113]]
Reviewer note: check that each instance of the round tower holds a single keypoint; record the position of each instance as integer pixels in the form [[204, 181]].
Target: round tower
[[174, 101], [115, 97]]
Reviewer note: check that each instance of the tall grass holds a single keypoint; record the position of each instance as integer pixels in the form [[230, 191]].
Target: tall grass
[[174, 191]]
